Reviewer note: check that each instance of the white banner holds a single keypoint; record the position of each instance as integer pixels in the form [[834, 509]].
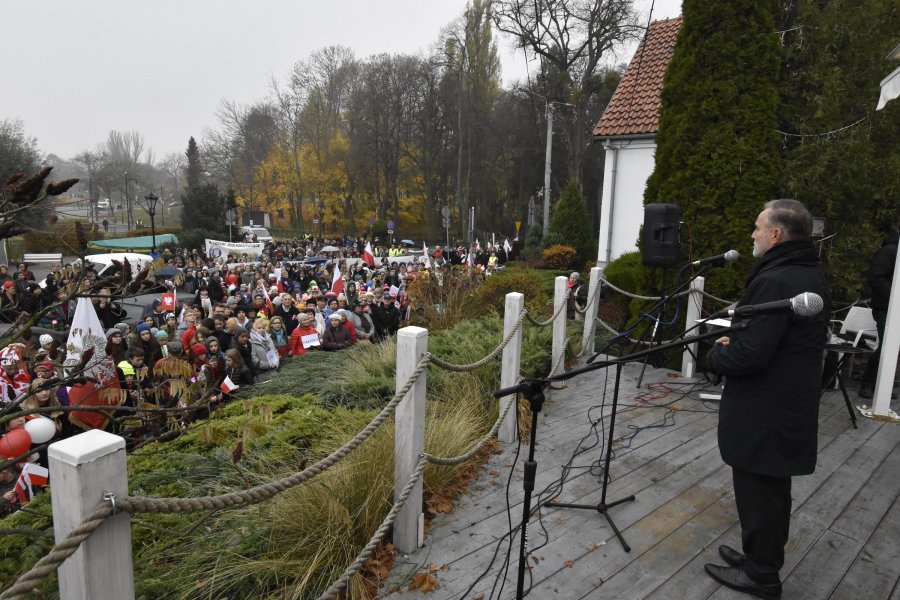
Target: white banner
[[219, 249]]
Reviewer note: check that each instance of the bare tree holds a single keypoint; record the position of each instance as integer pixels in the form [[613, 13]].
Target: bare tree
[[570, 38]]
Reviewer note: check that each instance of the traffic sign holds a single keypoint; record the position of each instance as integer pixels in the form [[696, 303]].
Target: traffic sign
[[445, 211], [446, 221], [518, 225], [372, 220], [316, 219], [231, 217], [390, 226]]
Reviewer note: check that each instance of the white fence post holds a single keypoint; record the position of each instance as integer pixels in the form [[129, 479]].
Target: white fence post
[[82, 469], [694, 310], [409, 438], [591, 310], [560, 290], [512, 358], [890, 345]]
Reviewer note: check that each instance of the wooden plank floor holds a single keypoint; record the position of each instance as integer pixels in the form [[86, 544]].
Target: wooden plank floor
[[845, 529]]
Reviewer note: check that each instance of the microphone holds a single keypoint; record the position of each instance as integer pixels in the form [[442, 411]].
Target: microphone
[[718, 261], [804, 304]]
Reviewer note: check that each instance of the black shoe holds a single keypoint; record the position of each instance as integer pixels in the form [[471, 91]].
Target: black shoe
[[736, 579], [866, 393], [732, 556]]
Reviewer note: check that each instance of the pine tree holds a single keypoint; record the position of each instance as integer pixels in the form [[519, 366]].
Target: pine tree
[[194, 174], [203, 206], [717, 153], [572, 221]]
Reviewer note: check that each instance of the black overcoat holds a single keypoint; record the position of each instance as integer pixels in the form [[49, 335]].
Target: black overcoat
[[768, 418]]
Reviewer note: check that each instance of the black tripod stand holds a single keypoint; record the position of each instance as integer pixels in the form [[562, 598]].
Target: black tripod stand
[[603, 506], [533, 390]]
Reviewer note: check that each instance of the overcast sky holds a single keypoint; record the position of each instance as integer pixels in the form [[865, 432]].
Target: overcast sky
[[74, 69]]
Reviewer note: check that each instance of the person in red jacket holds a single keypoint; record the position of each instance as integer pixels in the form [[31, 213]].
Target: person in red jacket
[[305, 329]]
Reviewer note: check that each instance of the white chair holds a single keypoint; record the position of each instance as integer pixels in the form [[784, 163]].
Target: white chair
[[857, 327]]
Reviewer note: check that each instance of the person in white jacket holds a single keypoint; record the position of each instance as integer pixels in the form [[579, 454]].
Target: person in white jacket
[[265, 355]]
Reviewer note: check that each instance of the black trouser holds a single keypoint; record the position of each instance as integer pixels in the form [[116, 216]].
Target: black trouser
[[764, 508], [869, 375]]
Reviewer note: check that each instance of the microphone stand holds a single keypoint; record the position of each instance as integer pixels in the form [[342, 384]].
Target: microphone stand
[[533, 390]]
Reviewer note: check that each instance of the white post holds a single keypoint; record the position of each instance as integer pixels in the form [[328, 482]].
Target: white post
[[694, 309], [409, 438], [560, 290], [512, 357], [82, 469], [890, 346], [591, 310]]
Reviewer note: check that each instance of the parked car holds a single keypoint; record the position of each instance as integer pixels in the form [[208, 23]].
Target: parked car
[[103, 263], [103, 204], [262, 234]]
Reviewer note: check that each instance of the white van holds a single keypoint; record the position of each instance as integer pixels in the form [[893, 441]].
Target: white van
[[103, 263], [103, 204], [262, 234]]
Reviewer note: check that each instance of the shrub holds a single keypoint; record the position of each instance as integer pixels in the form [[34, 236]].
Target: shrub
[[492, 294], [553, 239], [560, 257], [194, 238], [532, 248], [60, 237], [442, 299], [142, 231]]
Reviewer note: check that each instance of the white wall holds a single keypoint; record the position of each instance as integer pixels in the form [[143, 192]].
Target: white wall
[[633, 166]]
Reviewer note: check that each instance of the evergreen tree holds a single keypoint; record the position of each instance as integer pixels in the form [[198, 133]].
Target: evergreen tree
[[194, 172], [717, 153], [840, 156], [572, 222]]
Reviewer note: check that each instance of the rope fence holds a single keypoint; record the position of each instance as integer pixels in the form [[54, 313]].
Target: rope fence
[[111, 505]]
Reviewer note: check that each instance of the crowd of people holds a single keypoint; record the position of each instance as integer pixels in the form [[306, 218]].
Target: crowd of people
[[217, 325]]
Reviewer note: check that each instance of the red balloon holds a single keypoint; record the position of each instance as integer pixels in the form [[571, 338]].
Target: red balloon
[[15, 443]]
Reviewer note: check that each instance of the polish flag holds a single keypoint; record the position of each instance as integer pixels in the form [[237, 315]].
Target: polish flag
[[337, 284], [425, 254], [228, 385], [368, 256], [32, 474]]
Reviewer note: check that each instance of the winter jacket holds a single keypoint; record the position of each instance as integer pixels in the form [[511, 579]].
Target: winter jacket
[[261, 345]]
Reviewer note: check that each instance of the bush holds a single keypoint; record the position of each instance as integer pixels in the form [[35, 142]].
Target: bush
[[532, 248], [442, 299], [195, 238], [554, 239], [142, 231], [60, 237], [491, 295], [560, 257]]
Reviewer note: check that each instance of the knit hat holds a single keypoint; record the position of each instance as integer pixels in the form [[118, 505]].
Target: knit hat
[[174, 347], [126, 368], [198, 349], [161, 335], [45, 340], [109, 333], [142, 328], [123, 327]]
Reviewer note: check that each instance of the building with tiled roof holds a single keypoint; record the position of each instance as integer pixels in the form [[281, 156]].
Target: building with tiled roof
[[627, 130]]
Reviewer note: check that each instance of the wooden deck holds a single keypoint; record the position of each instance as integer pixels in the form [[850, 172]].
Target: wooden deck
[[845, 529]]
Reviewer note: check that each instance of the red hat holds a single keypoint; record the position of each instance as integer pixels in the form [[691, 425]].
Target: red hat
[[198, 349], [8, 284]]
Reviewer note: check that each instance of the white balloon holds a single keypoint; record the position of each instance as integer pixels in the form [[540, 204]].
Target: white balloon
[[41, 429]]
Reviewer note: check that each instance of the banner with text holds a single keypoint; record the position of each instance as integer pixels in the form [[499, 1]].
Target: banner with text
[[219, 249]]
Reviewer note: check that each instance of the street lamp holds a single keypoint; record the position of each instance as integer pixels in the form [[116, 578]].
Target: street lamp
[[125, 204], [151, 199]]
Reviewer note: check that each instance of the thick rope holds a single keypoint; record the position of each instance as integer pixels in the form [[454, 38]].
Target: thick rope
[[26, 584], [630, 295], [137, 504], [341, 582], [542, 324], [449, 366], [716, 298]]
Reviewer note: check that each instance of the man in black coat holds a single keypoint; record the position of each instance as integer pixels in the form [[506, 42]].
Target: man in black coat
[[881, 276], [386, 317], [768, 418]]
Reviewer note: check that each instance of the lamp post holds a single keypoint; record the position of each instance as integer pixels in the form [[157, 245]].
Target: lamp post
[[126, 206], [151, 199]]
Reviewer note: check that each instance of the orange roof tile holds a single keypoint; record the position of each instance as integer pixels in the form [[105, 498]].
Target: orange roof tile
[[634, 107]]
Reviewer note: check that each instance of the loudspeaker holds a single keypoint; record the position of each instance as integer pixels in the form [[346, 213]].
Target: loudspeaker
[[661, 239]]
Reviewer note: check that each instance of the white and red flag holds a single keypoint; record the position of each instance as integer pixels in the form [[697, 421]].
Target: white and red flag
[[368, 256], [228, 385], [32, 475], [337, 284]]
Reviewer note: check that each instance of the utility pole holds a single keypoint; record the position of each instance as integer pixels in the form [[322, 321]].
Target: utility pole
[[548, 112]]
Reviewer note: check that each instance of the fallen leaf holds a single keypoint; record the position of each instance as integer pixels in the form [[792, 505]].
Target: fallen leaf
[[568, 564], [595, 545], [478, 597], [494, 473], [559, 521], [424, 582]]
